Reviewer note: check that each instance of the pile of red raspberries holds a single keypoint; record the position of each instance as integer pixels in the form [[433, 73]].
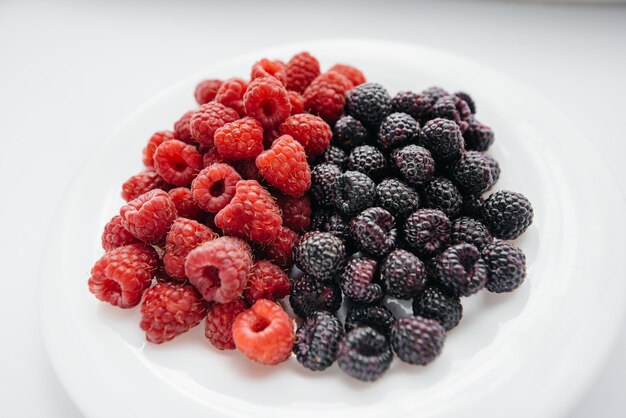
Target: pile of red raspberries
[[209, 227]]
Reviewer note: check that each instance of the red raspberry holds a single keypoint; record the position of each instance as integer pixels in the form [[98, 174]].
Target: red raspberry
[[240, 140], [301, 69], [267, 281], [142, 183], [114, 235], [296, 212], [185, 235], [266, 100], [247, 169], [219, 323], [231, 94], [264, 333], [177, 163], [284, 166], [215, 186], [182, 128], [353, 74], [326, 96], [311, 131], [251, 214], [279, 250], [154, 141], [205, 121], [149, 216], [334, 80], [170, 309], [269, 68], [121, 276], [297, 102], [206, 91], [212, 156], [219, 268], [186, 206]]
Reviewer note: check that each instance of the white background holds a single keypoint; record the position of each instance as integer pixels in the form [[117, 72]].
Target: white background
[[71, 71]]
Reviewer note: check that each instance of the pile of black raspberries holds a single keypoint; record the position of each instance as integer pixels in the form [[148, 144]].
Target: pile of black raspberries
[[399, 213]]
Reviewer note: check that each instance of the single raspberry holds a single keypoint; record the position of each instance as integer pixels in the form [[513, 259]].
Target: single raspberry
[[471, 231], [215, 187], [310, 295], [364, 354], [355, 192], [212, 156], [207, 119], [252, 214], [397, 197], [296, 212], [264, 333], [452, 108], [494, 167], [398, 129], [426, 231], [182, 127], [240, 140], [170, 309], [320, 254], [266, 281], [467, 99], [301, 69], [360, 281], [219, 323], [368, 160], [121, 275], [247, 169], [311, 131], [353, 74], [461, 270], [284, 166], [324, 100], [269, 68], [219, 268], [478, 136], [206, 90], [154, 141], [442, 194], [417, 340], [349, 133], [317, 341], [267, 101], [297, 102], [186, 206], [414, 163], [324, 178], [279, 250], [370, 103], [472, 206], [419, 106], [438, 304], [142, 183], [507, 214], [333, 79], [443, 139], [472, 173], [377, 317], [184, 235], [374, 231], [507, 266], [177, 163], [334, 155], [231, 93], [114, 235], [404, 274], [149, 216]]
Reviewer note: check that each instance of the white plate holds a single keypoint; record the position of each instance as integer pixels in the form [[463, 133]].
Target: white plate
[[525, 354]]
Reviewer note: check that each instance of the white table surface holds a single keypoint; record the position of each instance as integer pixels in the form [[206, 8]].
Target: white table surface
[[71, 71]]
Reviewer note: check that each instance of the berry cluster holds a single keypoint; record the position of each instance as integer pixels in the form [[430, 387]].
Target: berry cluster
[[371, 197]]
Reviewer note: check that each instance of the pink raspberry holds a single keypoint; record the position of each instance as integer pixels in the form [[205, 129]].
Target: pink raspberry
[[301, 69], [353, 74], [296, 212], [285, 167], [240, 140], [231, 94], [149, 216], [267, 101], [114, 235], [311, 131], [177, 163], [205, 121], [215, 186], [219, 268], [212, 156], [185, 235], [142, 183], [279, 250], [269, 68], [186, 206], [154, 141], [266, 281], [219, 323], [182, 128], [297, 102], [206, 91]]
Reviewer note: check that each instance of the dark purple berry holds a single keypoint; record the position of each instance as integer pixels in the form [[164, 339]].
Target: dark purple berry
[[443, 139], [360, 281], [374, 231], [398, 129], [317, 341], [442, 194], [369, 103], [355, 192], [452, 108], [467, 99], [417, 340], [440, 305], [364, 354], [368, 160], [309, 295], [417, 105], [470, 231], [397, 197], [507, 266], [377, 317], [435, 93], [472, 206], [478, 137], [349, 133], [494, 167], [472, 173], [334, 155], [320, 254], [403, 273], [461, 270], [426, 231], [507, 214], [324, 179], [414, 163]]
